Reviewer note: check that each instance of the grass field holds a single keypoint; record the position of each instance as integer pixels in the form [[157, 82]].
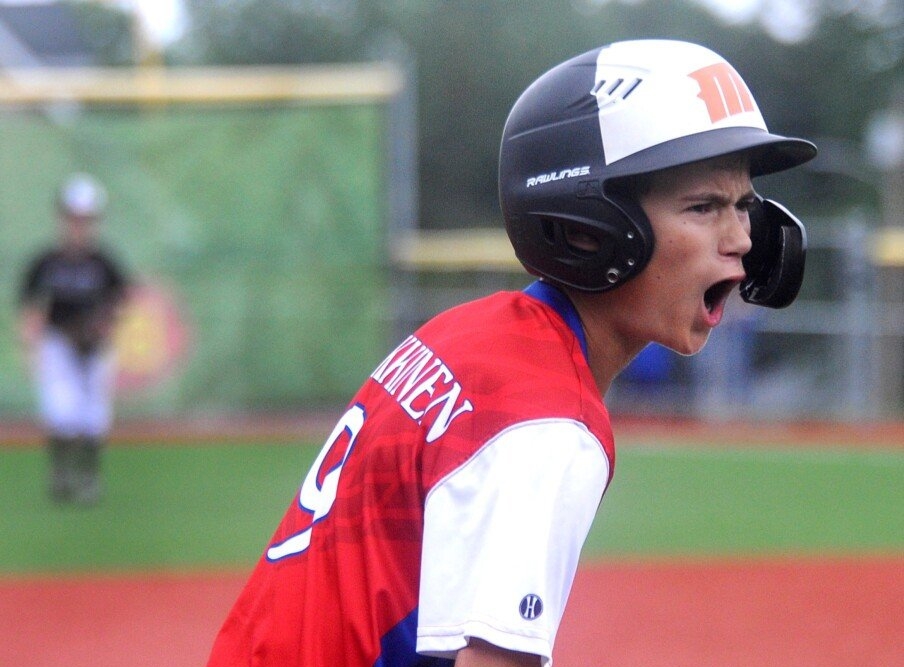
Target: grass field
[[215, 505], [704, 552]]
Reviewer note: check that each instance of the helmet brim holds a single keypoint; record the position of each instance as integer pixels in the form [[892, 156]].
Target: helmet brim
[[768, 153]]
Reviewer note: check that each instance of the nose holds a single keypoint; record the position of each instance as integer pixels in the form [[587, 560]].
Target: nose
[[735, 239]]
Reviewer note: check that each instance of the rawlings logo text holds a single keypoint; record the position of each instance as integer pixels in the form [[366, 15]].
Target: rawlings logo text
[[557, 176]]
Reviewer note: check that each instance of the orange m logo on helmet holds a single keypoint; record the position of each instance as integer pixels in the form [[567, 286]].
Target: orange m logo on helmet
[[723, 90]]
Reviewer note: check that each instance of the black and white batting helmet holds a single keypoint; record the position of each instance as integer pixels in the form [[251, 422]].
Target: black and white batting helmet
[[627, 109]]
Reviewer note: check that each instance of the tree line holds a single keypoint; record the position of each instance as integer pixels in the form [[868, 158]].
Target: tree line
[[470, 59]]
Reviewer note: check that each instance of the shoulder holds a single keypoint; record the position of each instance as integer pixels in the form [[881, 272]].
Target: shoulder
[[506, 328], [37, 266], [44, 256], [517, 356], [512, 361], [104, 255], [534, 457], [503, 311]]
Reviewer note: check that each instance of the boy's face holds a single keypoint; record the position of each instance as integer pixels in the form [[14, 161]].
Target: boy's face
[[699, 215]]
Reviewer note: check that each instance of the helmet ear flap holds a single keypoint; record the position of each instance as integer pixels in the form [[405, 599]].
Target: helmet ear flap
[[596, 250], [775, 263]]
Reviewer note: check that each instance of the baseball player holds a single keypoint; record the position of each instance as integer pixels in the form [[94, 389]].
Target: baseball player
[[443, 520], [69, 299]]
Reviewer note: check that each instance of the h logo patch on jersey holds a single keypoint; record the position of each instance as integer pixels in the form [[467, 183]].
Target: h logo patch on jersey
[[531, 607]]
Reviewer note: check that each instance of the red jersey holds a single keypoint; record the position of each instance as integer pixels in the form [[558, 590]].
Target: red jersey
[[451, 500]]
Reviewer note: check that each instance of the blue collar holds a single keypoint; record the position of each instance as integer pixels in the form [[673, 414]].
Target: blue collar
[[558, 301]]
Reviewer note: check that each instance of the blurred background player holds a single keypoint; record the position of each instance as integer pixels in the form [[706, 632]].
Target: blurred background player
[[69, 299]]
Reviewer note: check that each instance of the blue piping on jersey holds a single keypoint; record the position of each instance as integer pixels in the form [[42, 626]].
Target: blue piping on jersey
[[397, 647], [558, 301]]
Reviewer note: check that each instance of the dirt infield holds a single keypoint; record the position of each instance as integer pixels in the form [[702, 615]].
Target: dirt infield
[[806, 613], [139, 620]]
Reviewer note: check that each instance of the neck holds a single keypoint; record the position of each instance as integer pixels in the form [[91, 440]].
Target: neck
[[608, 352]]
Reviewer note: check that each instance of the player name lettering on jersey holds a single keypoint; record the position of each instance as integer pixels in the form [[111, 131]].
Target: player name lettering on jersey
[[423, 386]]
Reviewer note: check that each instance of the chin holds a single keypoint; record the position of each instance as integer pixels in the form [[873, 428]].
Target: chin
[[690, 346]]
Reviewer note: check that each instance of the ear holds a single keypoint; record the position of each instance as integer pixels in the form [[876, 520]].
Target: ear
[[775, 263]]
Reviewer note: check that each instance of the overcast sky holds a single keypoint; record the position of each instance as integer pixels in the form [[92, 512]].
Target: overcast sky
[[785, 19]]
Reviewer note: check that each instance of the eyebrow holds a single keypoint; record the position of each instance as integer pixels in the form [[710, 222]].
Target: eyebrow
[[718, 197]]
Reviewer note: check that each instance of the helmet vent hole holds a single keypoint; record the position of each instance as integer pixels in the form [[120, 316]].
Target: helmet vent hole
[[611, 91], [581, 242], [612, 275], [548, 228]]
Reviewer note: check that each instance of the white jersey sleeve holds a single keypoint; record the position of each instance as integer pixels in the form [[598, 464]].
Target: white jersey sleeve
[[502, 538]]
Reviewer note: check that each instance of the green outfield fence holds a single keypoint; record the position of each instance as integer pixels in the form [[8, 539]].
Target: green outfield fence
[[256, 201]]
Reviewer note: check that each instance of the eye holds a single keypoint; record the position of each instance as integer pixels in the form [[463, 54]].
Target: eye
[[746, 204], [702, 208]]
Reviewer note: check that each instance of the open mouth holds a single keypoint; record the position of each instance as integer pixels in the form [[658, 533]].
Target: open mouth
[[716, 295]]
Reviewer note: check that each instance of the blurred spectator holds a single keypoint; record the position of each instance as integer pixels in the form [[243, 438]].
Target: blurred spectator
[[69, 298]]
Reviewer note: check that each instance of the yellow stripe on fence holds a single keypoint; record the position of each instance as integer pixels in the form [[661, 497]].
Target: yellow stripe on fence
[[324, 84], [888, 247], [455, 250]]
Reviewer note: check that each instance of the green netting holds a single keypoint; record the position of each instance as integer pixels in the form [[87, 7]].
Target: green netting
[[266, 223]]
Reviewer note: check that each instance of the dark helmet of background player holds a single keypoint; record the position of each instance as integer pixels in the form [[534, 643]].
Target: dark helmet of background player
[[81, 196], [623, 110]]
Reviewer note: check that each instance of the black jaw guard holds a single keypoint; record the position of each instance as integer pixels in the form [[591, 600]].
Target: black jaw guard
[[775, 263]]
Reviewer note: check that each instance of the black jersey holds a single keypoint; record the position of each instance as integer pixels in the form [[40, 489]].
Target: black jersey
[[78, 291]]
